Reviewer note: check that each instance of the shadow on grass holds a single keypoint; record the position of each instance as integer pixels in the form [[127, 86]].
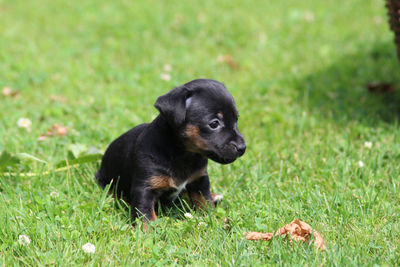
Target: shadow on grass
[[340, 92], [173, 209]]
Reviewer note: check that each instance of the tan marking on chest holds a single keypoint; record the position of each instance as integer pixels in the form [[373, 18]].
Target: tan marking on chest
[[197, 174], [163, 182]]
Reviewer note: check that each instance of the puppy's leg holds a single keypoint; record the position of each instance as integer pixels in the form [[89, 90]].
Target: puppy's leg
[[142, 204], [199, 192], [217, 198]]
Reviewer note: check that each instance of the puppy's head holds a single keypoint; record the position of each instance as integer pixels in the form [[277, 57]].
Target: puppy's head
[[205, 116]]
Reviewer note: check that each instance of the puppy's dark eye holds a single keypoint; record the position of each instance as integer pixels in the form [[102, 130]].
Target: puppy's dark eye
[[214, 124]]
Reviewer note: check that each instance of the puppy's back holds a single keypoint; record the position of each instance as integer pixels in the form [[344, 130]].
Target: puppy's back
[[116, 154]]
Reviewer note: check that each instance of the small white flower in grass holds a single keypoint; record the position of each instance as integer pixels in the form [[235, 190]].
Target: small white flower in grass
[[360, 164], [188, 215], [23, 240], [54, 194], [89, 248], [167, 67], [7, 91], [368, 144], [165, 77], [24, 123]]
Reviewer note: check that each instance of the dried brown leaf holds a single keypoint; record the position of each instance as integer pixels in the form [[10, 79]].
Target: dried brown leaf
[[228, 59], [259, 236], [42, 138], [58, 98], [380, 88], [60, 130], [55, 130], [296, 230], [7, 91], [301, 231]]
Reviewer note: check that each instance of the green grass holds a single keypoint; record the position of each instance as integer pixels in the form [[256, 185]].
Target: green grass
[[305, 113]]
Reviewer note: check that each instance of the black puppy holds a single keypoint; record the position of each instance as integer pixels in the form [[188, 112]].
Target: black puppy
[[197, 121]]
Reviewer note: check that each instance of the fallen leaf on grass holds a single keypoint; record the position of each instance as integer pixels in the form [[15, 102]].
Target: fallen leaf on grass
[[301, 231], [42, 138], [60, 130], [228, 59], [55, 130], [380, 88], [259, 236], [7, 91], [296, 230], [58, 98]]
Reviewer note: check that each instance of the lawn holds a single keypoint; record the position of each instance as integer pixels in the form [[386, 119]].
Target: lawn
[[298, 71]]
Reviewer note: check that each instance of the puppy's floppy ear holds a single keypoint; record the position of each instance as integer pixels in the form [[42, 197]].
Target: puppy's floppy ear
[[172, 105]]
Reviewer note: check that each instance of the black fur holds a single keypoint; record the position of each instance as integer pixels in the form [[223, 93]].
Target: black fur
[[174, 147]]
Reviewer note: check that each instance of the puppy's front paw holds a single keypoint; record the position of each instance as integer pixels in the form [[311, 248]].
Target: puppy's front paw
[[216, 198]]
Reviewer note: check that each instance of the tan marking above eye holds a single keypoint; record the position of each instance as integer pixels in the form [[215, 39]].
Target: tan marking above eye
[[220, 115]]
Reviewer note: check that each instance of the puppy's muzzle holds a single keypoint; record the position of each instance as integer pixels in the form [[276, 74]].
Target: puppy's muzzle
[[239, 147]]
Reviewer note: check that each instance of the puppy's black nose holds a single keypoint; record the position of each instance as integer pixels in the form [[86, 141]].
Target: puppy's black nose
[[240, 148]]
